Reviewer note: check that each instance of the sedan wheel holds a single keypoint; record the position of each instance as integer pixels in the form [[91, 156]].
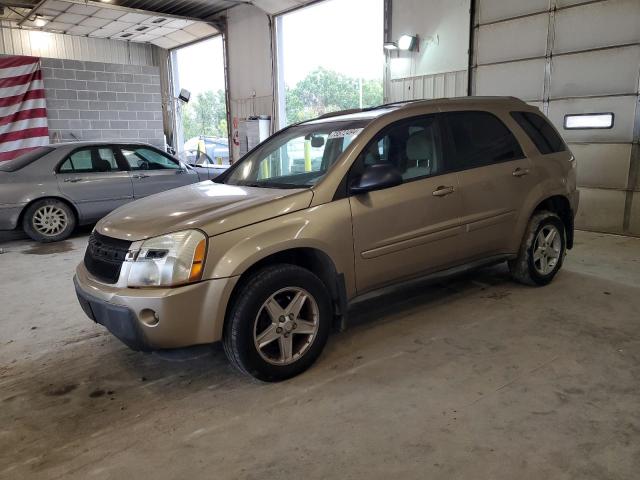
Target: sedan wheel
[[50, 220]]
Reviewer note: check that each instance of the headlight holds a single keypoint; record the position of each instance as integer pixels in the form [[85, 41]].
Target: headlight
[[169, 260]]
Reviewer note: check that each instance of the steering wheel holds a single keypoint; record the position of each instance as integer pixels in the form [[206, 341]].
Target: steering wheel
[[143, 165]]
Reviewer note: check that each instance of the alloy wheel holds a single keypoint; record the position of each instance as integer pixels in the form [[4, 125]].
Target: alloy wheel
[[286, 325], [547, 249], [50, 220]]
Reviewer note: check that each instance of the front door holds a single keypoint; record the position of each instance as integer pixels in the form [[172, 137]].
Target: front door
[[404, 231], [94, 181], [152, 171], [495, 180]]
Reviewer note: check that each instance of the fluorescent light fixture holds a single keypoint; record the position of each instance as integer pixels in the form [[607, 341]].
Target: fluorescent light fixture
[[584, 121], [407, 42], [390, 46], [40, 22]]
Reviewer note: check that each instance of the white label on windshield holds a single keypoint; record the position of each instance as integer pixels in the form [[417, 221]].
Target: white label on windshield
[[345, 133]]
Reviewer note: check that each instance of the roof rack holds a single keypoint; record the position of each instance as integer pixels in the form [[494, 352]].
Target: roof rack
[[342, 112]]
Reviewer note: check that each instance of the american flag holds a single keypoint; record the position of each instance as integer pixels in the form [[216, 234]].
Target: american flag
[[23, 112]]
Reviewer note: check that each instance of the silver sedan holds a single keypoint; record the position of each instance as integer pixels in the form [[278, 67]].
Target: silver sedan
[[50, 190]]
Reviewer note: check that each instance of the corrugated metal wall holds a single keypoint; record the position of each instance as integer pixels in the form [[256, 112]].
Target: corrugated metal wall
[[573, 56], [439, 85], [42, 44]]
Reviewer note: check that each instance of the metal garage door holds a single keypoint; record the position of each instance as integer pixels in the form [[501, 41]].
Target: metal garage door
[[572, 57]]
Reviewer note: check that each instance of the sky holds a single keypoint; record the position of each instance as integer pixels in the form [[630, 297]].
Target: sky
[[201, 66], [340, 35]]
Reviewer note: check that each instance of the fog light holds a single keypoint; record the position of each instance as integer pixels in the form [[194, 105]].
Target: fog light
[[149, 317]]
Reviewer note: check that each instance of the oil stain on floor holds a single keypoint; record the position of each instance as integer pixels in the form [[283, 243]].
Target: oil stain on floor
[[49, 248]]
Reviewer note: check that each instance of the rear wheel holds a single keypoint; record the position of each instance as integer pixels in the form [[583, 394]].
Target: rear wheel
[[279, 323], [48, 220], [542, 251]]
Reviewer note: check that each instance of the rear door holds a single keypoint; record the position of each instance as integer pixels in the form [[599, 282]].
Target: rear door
[[92, 178], [495, 180], [153, 171], [413, 228]]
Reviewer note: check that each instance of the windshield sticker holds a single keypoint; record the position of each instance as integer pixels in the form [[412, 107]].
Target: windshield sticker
[[345, 133]]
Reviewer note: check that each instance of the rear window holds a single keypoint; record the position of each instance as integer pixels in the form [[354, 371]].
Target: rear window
[[541, 133], [24, 159]]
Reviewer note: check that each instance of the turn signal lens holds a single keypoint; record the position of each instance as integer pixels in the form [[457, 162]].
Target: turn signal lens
[[198, 261]]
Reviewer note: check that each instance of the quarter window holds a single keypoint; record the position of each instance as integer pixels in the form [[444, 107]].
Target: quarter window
[[412, 146], [90, 160], [480, 138], [541, 133]]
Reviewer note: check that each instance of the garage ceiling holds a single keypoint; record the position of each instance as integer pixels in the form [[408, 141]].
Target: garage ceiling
[[107, 20], [165, 24]]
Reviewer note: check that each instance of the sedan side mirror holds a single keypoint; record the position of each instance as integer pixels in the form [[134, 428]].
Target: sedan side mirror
[[376, 177]]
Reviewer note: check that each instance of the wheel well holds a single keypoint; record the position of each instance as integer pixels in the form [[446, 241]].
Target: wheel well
[[66, 202], [313, 260], [560, 206]]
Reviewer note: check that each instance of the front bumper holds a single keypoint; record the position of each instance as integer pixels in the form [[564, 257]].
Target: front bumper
[[157, 318]]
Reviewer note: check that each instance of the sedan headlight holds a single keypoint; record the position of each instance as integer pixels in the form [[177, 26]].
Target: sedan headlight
[[169, 260]]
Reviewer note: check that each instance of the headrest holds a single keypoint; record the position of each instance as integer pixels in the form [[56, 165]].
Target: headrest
[[419, 147]]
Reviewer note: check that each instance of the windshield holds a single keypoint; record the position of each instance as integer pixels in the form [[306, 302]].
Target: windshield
[[24, 159], [298, 157]]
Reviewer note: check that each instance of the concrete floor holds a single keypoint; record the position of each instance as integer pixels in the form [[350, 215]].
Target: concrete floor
[[474, 378]]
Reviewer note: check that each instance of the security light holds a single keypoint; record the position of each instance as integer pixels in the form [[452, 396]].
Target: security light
[[184, 95], [407, 42], [40, 22]]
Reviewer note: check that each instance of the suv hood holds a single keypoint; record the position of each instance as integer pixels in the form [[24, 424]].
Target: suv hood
[[211, 207]]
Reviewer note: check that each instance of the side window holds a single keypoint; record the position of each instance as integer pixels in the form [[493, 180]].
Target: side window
[[480, 138], [541, 133], [90, 160], [413, 146], [141, 158]]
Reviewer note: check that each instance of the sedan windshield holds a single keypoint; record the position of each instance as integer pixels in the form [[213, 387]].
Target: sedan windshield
[[297, 157]]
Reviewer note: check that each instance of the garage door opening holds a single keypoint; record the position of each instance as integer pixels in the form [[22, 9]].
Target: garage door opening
[[201, 123], [330, 58]]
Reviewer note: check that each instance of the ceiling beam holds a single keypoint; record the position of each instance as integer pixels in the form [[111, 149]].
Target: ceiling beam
[[33, 11]]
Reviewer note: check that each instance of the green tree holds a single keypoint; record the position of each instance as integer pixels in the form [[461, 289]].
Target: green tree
[[206, 114], [323, 91]]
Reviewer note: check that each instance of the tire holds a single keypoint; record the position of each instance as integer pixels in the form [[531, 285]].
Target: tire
[[255, 319], [539, 262], [48, 220]]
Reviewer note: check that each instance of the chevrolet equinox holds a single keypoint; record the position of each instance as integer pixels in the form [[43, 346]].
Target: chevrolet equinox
[[267, 256]]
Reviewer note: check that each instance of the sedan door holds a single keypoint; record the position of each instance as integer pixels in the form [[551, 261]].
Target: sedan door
[[153, 171], [414, 228], [94, 181]]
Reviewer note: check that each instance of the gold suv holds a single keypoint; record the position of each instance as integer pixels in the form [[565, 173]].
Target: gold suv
[[267, 256]]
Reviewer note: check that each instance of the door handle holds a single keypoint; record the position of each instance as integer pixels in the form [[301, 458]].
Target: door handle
[[520, 172], [442, 191], [139, 175], [72, 180]]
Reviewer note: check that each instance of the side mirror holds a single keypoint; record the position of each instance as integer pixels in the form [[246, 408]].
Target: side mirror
[[376, 177]]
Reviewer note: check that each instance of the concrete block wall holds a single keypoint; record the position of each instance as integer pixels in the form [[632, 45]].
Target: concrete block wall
[[103, 101]]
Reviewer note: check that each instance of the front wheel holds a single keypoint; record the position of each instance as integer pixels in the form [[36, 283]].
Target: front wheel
[[278, 324], [542, 251]]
